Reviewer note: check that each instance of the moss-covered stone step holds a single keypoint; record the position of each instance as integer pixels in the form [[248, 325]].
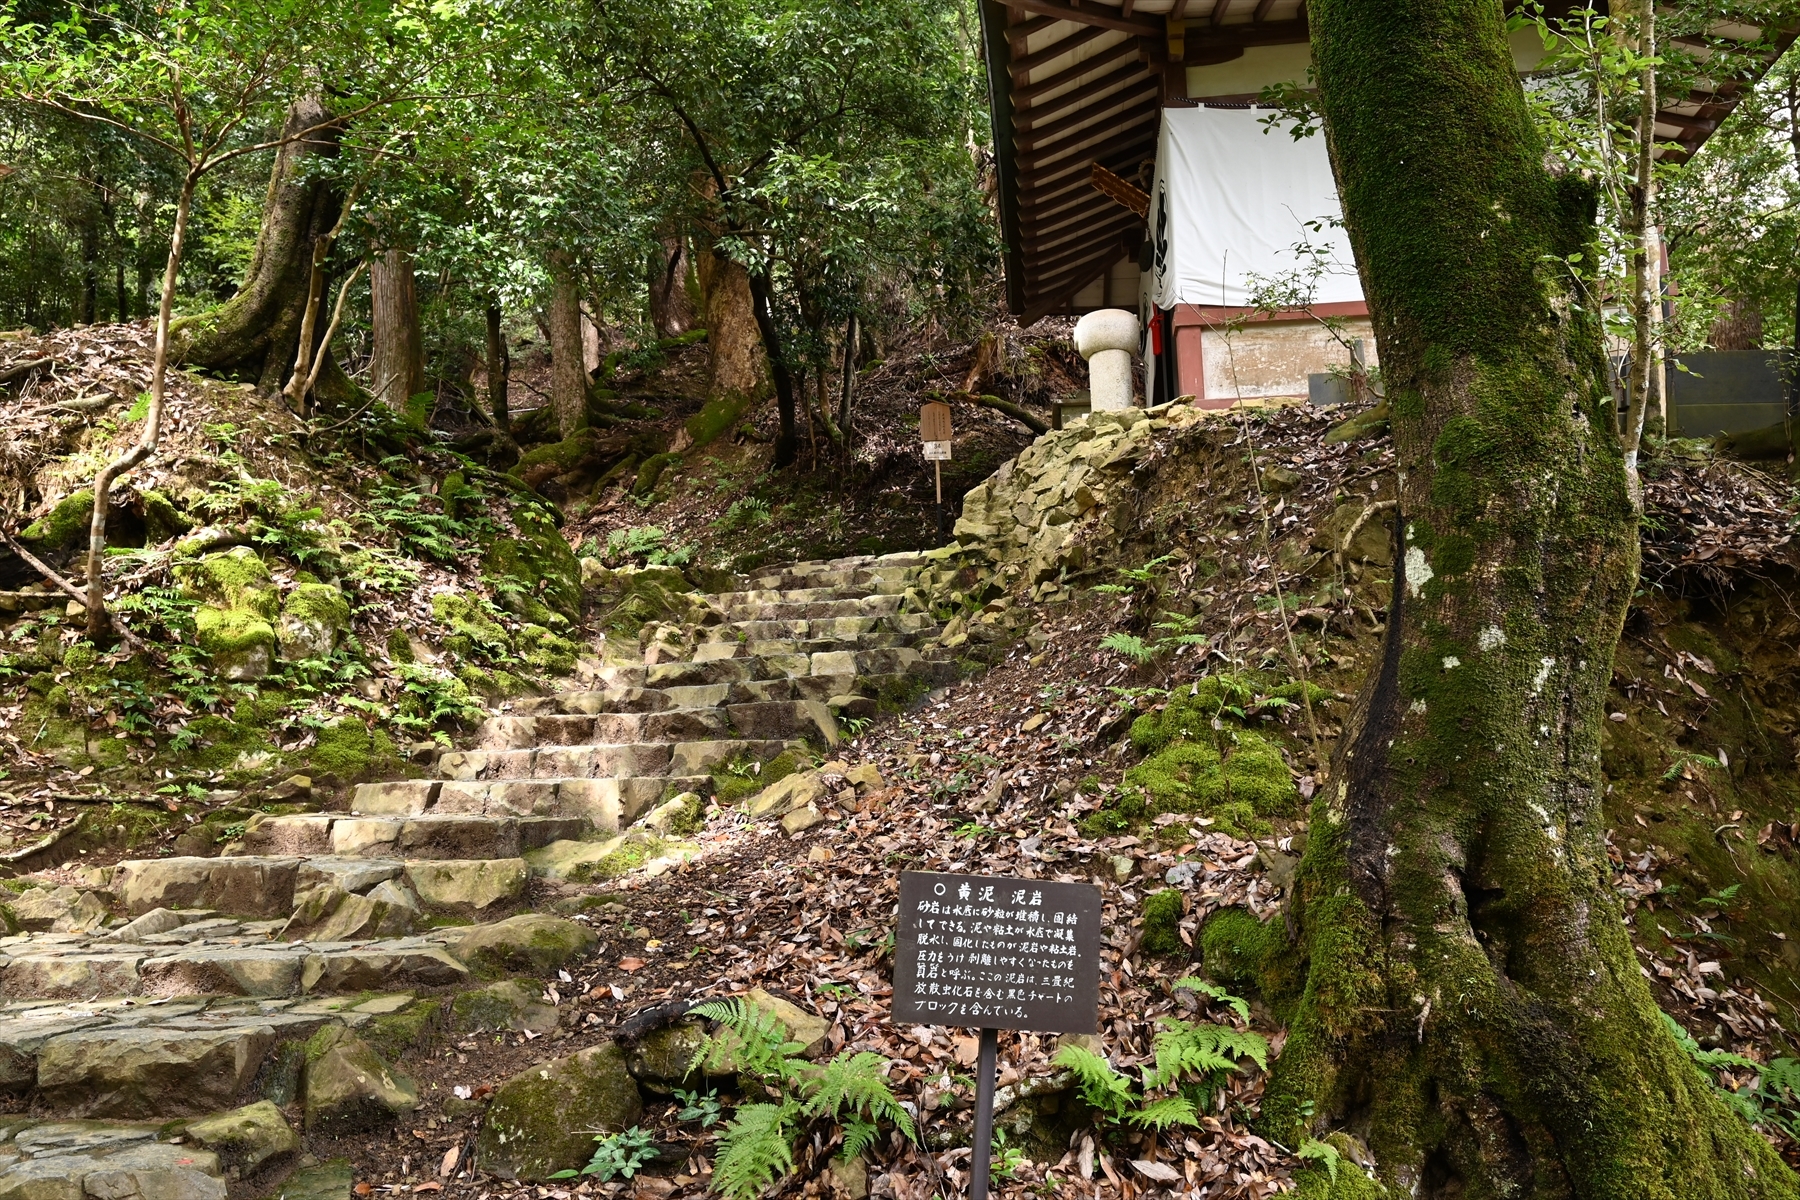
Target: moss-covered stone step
[[811, 602], [669, 725], [606, 761], [607, 805], [861, 572], [860, 629]]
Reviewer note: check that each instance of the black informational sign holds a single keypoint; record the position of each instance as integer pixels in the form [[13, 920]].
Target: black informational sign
[[990, 953]]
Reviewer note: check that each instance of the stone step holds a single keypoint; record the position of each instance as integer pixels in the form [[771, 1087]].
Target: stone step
[[604, 761], [431, 835], [732, 603], [863, 630], [754, 718], [607, 805], [250, 964], [816, 604], [670, 725], [177, 892]]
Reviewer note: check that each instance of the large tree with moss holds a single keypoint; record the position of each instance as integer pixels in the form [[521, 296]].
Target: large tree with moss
[[1460, 987]]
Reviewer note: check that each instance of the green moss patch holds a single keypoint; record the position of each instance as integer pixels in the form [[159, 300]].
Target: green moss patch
[[352, 752], [537, 564], [1162, 924], [65, 525]]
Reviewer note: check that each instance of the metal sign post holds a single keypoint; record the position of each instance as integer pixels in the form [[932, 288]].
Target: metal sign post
[[934, 431], [993, 953]]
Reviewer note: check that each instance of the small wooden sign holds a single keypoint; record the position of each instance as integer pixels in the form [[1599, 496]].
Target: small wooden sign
[[937, 451], [988, 952], [934, 422]]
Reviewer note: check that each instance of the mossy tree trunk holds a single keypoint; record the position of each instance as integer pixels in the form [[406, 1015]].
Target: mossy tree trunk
[[256, 333], [1459, 983]]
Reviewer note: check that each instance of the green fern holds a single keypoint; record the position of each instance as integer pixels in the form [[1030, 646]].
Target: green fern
[[755, 1150], [1128, 644], [1320, 1152], [859, 1135], [1214, 992], [1207, 1051], [1101, 1087], [752, 1042], [1160, 1114], [853, 1086]]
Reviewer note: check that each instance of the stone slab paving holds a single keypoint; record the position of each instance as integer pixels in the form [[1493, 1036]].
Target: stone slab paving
[[133, 1036]]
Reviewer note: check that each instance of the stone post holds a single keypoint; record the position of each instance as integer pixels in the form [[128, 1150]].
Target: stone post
[[1108, 339]]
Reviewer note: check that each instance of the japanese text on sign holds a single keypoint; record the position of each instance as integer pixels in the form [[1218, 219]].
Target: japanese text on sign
[[987, 952]]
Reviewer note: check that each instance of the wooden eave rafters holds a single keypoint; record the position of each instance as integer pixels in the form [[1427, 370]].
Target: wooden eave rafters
[[1067, 93]]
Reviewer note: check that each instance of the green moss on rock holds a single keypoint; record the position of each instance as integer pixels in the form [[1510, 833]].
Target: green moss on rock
[[548, 652], [717, 416], [472, 629], [1233, 946], [1162, 924], [63, 526], [537, 563], [544, 1119], [351, 752]]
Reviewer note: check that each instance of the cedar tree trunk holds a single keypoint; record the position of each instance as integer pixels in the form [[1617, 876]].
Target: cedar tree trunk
[[568, 372], [1459, 984], [731, 327], [397, 364], [256, 333], [671, 311]]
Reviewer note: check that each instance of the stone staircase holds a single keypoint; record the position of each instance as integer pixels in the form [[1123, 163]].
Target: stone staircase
[[290, 970]]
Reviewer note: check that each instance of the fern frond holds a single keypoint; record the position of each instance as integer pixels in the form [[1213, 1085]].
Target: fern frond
[[1160, 1114], [853, 1084], [753, 1042], [1320, 1152], [859, 1135], [1101, 1087], [1215, 992], [1128, 644], [1204, 1050], [754, 1150]]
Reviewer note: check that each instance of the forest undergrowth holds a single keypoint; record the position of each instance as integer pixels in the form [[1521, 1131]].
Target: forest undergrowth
[[1157, 727]]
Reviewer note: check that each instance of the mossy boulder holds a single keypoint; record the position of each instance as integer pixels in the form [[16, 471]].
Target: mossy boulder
[[65, 525], [349, 1087], [1162, 925], [664, 1058], [544, 1119], [349, 751], [1234, 947], [238, 605], [549, 652], [473, 630], [313, 617], [412, 1025], [537, 564], [569, 861], [162, 519], [1239, 789], [245, 1138], [634, 597], [508, 1005], [528, 942]]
